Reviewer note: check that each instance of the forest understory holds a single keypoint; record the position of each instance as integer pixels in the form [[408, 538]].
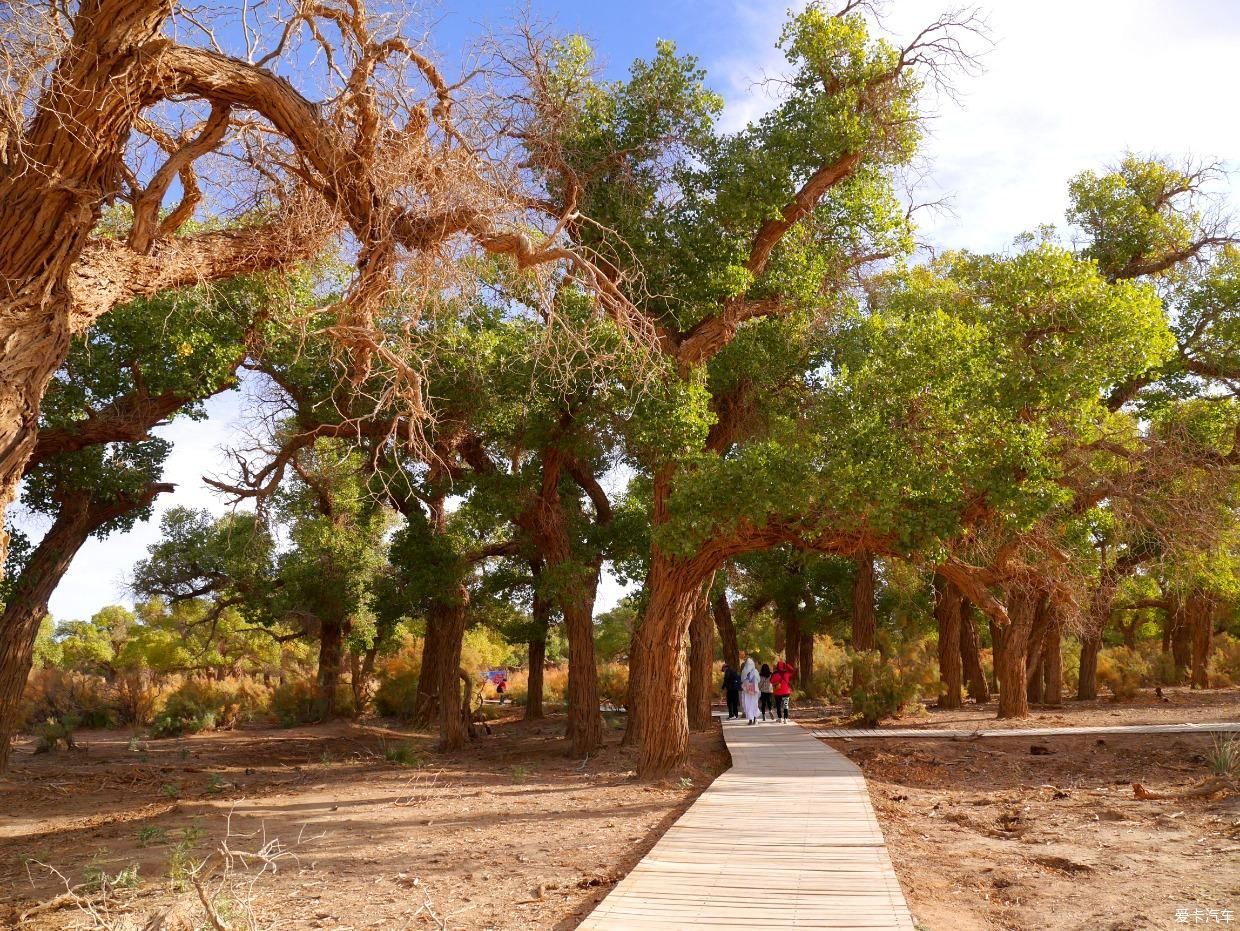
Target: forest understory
[[374, 830]]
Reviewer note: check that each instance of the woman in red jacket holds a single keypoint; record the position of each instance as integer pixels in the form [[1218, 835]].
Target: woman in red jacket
[[781, 682]]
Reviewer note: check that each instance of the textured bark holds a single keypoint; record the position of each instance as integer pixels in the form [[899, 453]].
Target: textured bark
[[331, 659], [674, 589], [362, 677], [864, 627], [864, 622], [804, 662], [1052, 666], [971, 656], [948, 606], [727, 629], [1087, 672], [1035, 684], [76, 520], [534, 683], [701, 663], [1201, 626], [577, 588], [434, 655], [453, 730], [791, 648], [1011, 644], [1181, 638]]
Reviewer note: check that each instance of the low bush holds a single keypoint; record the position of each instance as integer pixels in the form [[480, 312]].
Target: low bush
[[883, 689], [398, 674], [298, 702], [613, 684], [1224, 663], [58, 695], [199, 705], [832, 671], [1123, 672]]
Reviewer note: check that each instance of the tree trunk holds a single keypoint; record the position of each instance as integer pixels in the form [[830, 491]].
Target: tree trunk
[[1201, 626], [792, 636], [331, 657], [805, 664], [947, 610], [1181, 638], [452, 714], [864, 622], [1011, 643], [1087, 672], [701, 663], [1035, 682], [662, 721], [727, 630], [362, 675], [76, 520], [971, 655], [434, 655], [1100, 606], [534, 683], [51, 199], [1052, 666], [585, 722]]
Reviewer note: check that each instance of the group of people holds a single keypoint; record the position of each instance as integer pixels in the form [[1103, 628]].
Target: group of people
[[754, 691]]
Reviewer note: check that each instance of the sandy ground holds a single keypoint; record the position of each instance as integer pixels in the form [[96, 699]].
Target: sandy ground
[[985, 834], [509, 834]]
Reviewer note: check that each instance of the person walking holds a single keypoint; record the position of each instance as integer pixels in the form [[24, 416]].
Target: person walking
[[732, 691], [781, 683], [766, 700], [749, 690]]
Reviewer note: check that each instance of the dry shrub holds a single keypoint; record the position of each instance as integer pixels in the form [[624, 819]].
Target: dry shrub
[[398, 674], [140, 694], [1071, 652], [1123, 671], [199, 705], [613, 684], [1224, 663], [555, 685], [832, 672], [71, 698], [298, 702]]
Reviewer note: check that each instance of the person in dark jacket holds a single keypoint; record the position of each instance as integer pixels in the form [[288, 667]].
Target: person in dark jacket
[[732, 691]]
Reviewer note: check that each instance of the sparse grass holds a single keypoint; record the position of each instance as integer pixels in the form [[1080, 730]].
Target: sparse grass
[[686, 782], [151, 834], [520, 773], [170, 790], [403, 755], [96, 879], [215, 784], [1224, 756], [181, 864]]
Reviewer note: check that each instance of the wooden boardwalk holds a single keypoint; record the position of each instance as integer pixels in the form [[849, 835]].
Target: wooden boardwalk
[[850, 732], [785, 839]]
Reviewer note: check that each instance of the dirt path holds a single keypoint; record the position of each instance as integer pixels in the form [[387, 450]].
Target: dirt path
[[985, 834], [510, 834]]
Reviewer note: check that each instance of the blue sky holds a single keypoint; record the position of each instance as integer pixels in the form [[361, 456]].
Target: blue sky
[[1070, 84]]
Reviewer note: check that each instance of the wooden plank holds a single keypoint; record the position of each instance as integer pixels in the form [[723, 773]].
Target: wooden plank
[[833, 733], [787, 838]]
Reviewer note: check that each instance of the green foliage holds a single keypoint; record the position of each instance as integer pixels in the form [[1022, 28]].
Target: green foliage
[[881, 689], [1224, 757], [205, 705]]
